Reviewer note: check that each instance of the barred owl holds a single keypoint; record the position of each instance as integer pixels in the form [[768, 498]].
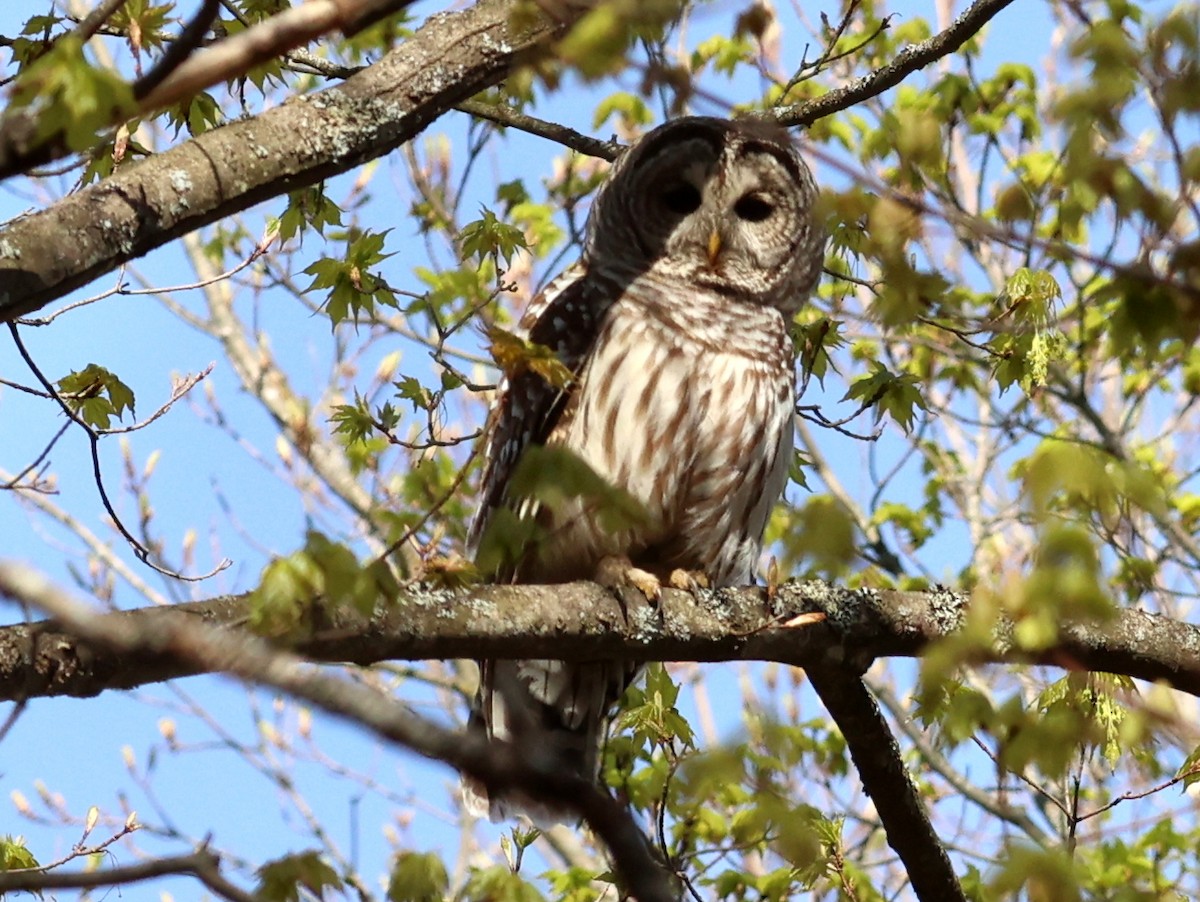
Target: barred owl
[[674, 325]]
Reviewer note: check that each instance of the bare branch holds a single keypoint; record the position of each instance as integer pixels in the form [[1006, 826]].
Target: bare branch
[[143, 553], [181, 388], [15, 482], [100, 549]]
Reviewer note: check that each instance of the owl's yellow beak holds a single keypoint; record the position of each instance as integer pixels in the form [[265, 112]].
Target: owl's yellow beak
[[714, 247]]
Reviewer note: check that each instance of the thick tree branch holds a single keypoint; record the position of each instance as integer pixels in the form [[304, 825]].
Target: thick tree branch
[[179, 74], [833, 633], [229, 169], [582, 621], [877, 759]]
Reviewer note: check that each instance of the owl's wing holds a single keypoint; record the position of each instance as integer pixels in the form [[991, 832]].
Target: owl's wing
[[565, 318]]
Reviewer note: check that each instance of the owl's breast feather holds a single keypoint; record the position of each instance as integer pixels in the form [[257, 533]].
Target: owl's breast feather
[[699, 436]]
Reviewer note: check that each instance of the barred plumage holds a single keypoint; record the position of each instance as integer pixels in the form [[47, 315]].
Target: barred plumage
[[700, 247]]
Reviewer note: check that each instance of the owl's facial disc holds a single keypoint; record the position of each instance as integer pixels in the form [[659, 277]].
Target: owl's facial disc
[[715, 205], [714, 213]]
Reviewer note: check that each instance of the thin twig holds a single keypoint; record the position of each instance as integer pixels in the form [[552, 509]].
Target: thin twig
[[143, 553], [1131, 796], [507, 116], [81, 849], [1020, 775], [178, 50], [181, 388], [13, 716], [812, 413], [75, 305], [964, 787], [15, 481], [808, 70]]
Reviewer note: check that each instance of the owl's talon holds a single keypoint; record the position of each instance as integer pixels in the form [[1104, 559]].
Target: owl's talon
[[646, 583], [688, 580], [616, 573]]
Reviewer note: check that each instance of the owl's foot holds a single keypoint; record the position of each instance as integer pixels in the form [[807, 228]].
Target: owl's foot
[[617, 572], [688, 580]]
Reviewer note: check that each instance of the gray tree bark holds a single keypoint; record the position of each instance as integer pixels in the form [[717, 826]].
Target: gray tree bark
[[803, 624], [140, 207]]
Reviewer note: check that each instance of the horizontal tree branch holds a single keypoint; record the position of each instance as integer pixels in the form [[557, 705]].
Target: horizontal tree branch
[[226, 170], [507, 116], [582, 621], [833, 633]]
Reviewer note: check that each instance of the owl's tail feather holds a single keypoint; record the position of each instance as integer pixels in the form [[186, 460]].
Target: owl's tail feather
[[545, 708]]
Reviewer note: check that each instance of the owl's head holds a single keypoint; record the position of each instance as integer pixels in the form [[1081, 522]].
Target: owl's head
[[722, 204]]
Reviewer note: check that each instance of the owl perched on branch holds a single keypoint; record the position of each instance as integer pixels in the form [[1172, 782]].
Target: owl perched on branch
[[680, 390]]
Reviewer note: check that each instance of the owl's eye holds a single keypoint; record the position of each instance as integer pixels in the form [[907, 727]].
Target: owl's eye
[[753, 208], [681, 199]]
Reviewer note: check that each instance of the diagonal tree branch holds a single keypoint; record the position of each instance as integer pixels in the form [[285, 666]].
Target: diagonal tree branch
[[582, 621], [180, 74], [909, 60], [228, 169], [877, 759], [178, 51], [94, 21], [535, 772], [912, 58], [922, 742]]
